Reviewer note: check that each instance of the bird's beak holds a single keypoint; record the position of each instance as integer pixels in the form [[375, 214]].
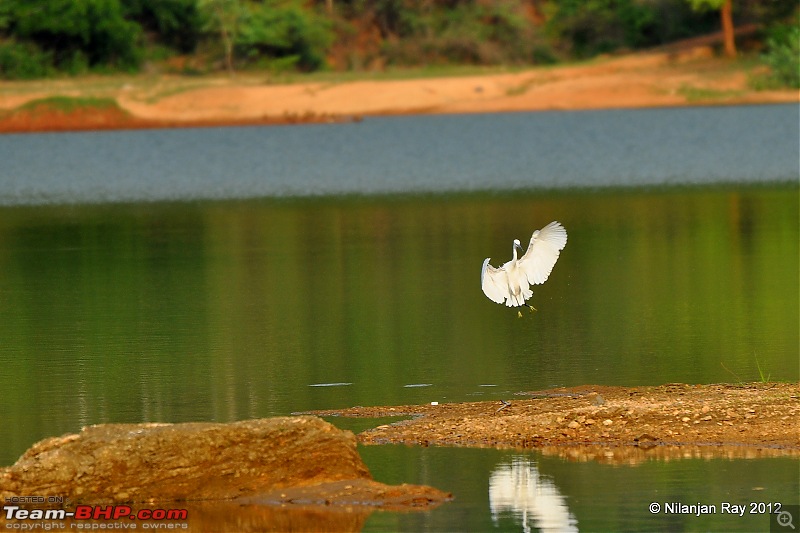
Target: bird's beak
[[517, 245]]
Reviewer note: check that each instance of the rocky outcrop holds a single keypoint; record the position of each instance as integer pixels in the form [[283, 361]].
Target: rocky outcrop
[[302, 460]]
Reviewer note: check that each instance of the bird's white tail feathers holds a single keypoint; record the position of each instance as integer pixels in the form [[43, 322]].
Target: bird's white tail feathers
[[515, 300]]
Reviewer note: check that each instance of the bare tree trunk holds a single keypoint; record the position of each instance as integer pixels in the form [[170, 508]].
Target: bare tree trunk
[[727, 28], [226, 41]]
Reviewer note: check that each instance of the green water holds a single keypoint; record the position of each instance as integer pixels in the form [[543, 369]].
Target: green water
[[230, 310], [566, 495]]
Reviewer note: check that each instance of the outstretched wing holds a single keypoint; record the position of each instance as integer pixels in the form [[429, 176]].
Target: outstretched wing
[[543, 251], [494, 282]]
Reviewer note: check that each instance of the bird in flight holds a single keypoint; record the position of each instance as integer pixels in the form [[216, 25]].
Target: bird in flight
[[512, 281]]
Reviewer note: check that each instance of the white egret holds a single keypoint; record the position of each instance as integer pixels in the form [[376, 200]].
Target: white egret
[[511, 282]]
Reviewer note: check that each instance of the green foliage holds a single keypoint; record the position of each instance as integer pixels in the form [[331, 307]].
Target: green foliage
[[586, 28], [676, 19], [43, 37], [783, 55], [701, 5], [222, 19], [178, 24], [79, 33], [599, 26], [704, 94], [5, 15], [68, 104], [283, 34], [467, 33], [24, 61]]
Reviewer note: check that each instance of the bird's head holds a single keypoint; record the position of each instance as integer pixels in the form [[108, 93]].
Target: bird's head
[[517, 244]]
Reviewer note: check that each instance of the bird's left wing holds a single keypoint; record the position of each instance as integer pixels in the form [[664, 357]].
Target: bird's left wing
[[543, 251], [491, 282]]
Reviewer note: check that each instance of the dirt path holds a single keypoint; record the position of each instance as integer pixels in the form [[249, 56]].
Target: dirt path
[[760, 415], [656, 79]]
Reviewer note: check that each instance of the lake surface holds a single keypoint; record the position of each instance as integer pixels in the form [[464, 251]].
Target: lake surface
[[449, 153], [123, 310]]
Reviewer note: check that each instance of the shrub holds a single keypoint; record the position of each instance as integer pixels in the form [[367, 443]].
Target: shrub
[[78, 33], [283, 34], [24, 61], [783, 55], [176, 24], [591, 27], [472, 33]]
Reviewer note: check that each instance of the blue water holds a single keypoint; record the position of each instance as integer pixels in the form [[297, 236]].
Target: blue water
[[407, 155]]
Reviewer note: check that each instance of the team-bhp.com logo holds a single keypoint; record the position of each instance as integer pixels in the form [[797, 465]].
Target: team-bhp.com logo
[[26, 519]]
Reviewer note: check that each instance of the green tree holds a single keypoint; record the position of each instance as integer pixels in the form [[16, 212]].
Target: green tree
[[783, 55], [24, 61], [175, 23], [80, 33], [286, 31], [223, 16], [726, 16], [5, 16], [589, 27]]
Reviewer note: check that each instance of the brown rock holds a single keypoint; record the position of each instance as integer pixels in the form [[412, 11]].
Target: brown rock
[[116, 463]]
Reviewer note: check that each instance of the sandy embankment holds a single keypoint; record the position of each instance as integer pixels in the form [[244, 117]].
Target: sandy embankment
[[740, 420], [690, 77]]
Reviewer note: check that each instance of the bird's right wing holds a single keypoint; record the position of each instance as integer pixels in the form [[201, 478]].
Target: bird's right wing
[[492, 282], [543, 251]]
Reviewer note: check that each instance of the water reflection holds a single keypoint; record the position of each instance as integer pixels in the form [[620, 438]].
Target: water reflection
[[600, 495], [226, 516], [518, 488], [635, 456], [224, 311]]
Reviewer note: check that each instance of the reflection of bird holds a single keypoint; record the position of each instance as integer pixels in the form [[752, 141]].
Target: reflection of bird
[[518, 488], [511, 282]]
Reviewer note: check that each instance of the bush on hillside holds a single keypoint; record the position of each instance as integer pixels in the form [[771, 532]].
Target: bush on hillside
[[783, 55], [24, 61], [283, 35]]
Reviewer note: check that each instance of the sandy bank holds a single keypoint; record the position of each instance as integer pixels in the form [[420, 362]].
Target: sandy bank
[[755, 415], [656, 79]]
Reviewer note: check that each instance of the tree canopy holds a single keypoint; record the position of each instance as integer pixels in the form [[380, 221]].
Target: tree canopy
[[43, 37]]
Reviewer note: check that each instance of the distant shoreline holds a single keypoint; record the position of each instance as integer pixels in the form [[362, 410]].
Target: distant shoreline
[[644, 80]]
